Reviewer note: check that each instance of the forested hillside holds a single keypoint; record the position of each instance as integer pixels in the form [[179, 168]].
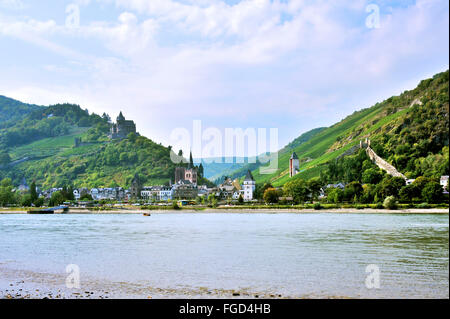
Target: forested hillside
[[12, 111], [41, 147]]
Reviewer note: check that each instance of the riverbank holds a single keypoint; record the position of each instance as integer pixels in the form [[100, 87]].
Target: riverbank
[[238, 210], [26, 284]]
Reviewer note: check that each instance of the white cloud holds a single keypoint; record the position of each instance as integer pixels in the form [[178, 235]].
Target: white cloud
[[12, 4]]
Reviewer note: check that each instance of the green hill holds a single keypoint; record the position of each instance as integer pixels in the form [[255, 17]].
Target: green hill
[[285, 152], [40, 146], [12, 111], [408, 130]]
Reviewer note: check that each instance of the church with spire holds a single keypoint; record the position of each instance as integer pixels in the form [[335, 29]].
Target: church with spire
[[183, 174], [122, 128]]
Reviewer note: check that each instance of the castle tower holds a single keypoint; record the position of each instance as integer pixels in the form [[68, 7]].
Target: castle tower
[[249, 186], [120, 118], [294, 165], [136, 187], [122, 128]]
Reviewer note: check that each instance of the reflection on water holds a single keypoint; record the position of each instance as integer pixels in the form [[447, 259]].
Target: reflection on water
[[315, 255]]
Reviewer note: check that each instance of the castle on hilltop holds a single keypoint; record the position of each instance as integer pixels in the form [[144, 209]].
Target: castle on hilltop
[[122, 128]]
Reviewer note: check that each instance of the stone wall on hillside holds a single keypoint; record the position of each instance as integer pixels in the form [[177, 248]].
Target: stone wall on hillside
[[381, 163]]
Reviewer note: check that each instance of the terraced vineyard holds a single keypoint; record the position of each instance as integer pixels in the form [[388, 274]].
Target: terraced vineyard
[[49, 146]]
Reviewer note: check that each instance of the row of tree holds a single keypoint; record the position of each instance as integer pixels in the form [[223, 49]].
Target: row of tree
[[423, 189]]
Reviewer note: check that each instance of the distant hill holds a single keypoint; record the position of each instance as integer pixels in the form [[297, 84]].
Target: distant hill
[[216, 167], [410, 131], [12, 111], [285, 151]]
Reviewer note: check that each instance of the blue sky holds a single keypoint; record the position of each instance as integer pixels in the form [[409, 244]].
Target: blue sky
[[290, 64]]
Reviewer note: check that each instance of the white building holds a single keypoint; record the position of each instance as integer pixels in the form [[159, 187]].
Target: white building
[[151, 193], [165, 193], [157, 193], [444, 182], [249, 186]]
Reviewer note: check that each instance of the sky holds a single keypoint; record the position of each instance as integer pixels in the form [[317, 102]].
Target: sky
[[293, 65]]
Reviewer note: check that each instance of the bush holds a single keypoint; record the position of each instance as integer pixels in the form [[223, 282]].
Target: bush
[[432, 192], [390, 203], [175, 205], [423, 205], [271, 196], [39, 202], [317, 206], [26, 200]]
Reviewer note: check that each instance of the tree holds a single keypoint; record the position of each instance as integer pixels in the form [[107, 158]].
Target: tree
[[368, 193], [4, 158], [259, 190], [390, 186], [86, 197], [6, 194], [26, 200], [240, 199], [270, 196], [351, 190], [33, 193], [297, 189], [314, 186], [407, 193], [335, 195], [106, 117], [420, 183], [39, 202], [432, 192], [372, 176], [390, 203], [132, 137], [201, 171], [56, 199]]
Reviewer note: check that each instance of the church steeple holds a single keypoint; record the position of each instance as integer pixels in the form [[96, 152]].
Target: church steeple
[[191, 161]]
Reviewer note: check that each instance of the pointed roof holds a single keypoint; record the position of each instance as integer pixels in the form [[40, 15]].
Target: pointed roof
[[249, 176], [121, 117], [191, 161], [294, 156]]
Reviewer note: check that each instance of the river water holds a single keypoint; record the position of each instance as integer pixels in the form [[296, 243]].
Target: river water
[[316, 255]]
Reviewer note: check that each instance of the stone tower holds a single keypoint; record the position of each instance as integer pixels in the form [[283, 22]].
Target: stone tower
[[294, 165], [136, 187]]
